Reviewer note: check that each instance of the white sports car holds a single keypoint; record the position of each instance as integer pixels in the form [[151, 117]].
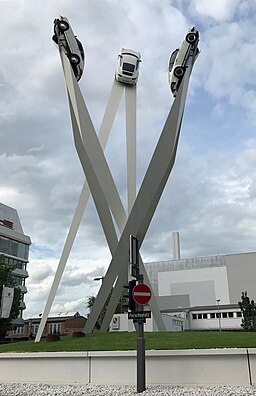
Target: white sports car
[[127, 70], [179, 57], [64, 35]]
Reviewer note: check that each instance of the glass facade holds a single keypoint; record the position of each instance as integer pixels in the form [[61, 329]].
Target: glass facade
[[16, 255], [14, 248]]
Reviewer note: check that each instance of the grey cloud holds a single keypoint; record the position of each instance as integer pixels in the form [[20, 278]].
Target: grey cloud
[[75, 278]]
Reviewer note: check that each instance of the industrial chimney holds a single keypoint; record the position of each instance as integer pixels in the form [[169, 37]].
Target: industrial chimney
[[175, 246]]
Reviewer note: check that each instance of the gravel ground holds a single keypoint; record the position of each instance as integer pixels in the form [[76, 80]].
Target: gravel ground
[[93, 390]]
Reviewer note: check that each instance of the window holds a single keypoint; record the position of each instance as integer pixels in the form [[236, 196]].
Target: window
[[18, 330], [13, 248], [4, 245], [194, 316], [18, 281], [230, 314], [199, 316], [54, 328], [239, 314], [26, 252], [212, 315], [21, 250], [34, 328], [205, 316], [128, 67], [177, 322], [224, 314]]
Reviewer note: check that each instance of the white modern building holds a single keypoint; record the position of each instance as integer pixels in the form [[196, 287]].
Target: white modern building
[[14, 245], [204, 290], [201, 292], [173, 322]]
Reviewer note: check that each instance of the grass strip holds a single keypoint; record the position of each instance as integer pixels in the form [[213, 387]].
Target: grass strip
[[122, 341]]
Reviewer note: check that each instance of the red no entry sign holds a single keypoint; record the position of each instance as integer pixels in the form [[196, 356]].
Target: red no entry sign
[[141, 294]]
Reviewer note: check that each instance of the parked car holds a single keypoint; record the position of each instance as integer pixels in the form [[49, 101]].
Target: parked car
[[127, 70], [72, 46], [179, 58]]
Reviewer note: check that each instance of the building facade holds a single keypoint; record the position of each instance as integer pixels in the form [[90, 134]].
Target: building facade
[[14, 246], [57, 323], [206, 289]]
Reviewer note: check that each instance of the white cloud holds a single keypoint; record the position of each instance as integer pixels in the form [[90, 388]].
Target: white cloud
[[210, 197], [220, 10]]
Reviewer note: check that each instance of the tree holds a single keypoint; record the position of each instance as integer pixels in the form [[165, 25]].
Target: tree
[[89, 305], [6, 279], [248, 309]]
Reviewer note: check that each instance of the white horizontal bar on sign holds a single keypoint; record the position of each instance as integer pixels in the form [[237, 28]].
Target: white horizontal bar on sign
[[142, 294]]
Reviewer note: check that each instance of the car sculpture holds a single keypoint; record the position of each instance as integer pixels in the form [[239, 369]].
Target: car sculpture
[[179, 58], [73, 48], [127, 70]]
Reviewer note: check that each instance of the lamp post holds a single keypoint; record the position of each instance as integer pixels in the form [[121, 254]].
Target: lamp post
[[218, 303]]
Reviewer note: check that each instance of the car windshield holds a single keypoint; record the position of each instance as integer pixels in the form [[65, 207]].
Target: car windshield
[[128, 67]]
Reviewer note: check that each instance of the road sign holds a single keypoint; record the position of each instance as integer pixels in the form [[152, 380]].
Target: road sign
[[141, 294], [134, 250], [139, 315], [135, 271]]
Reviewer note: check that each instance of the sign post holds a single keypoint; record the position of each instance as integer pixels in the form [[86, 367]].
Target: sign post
[[141, 294], [141, 381]]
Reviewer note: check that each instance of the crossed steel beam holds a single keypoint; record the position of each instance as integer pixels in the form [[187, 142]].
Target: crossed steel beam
[[106, 197], [101, 183], [107, 122], [144, 206]]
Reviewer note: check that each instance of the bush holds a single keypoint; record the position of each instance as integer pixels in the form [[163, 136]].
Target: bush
[[78, 334], [52, 337]]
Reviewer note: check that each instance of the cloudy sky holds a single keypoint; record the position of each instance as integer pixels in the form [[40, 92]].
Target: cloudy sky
[[210, 197]]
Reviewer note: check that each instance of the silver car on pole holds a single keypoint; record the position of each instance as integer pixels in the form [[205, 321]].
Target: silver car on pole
[[127, 70], [73, 48], [179, 58]]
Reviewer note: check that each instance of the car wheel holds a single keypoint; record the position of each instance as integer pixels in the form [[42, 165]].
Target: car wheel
[[74, 59], [191, 38], [63, 26], [178, 71]]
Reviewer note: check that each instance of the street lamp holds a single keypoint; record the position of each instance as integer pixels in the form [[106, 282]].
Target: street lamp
[[99, 278], [218, 303]]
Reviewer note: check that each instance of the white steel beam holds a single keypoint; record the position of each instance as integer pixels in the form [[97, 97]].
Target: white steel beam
[[106, 125], [130, 107]]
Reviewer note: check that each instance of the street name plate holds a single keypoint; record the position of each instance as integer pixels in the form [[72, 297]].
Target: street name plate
[[139, 315]]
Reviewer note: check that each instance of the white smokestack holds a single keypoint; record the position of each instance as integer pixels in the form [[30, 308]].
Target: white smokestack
[[175, 246]]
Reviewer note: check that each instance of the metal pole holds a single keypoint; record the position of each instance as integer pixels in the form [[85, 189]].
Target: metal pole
[[218, 302], [141, 382]]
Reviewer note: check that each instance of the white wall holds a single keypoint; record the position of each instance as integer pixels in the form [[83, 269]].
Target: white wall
[[233, 323], [120, 322], [211, 283], [184, 367]]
